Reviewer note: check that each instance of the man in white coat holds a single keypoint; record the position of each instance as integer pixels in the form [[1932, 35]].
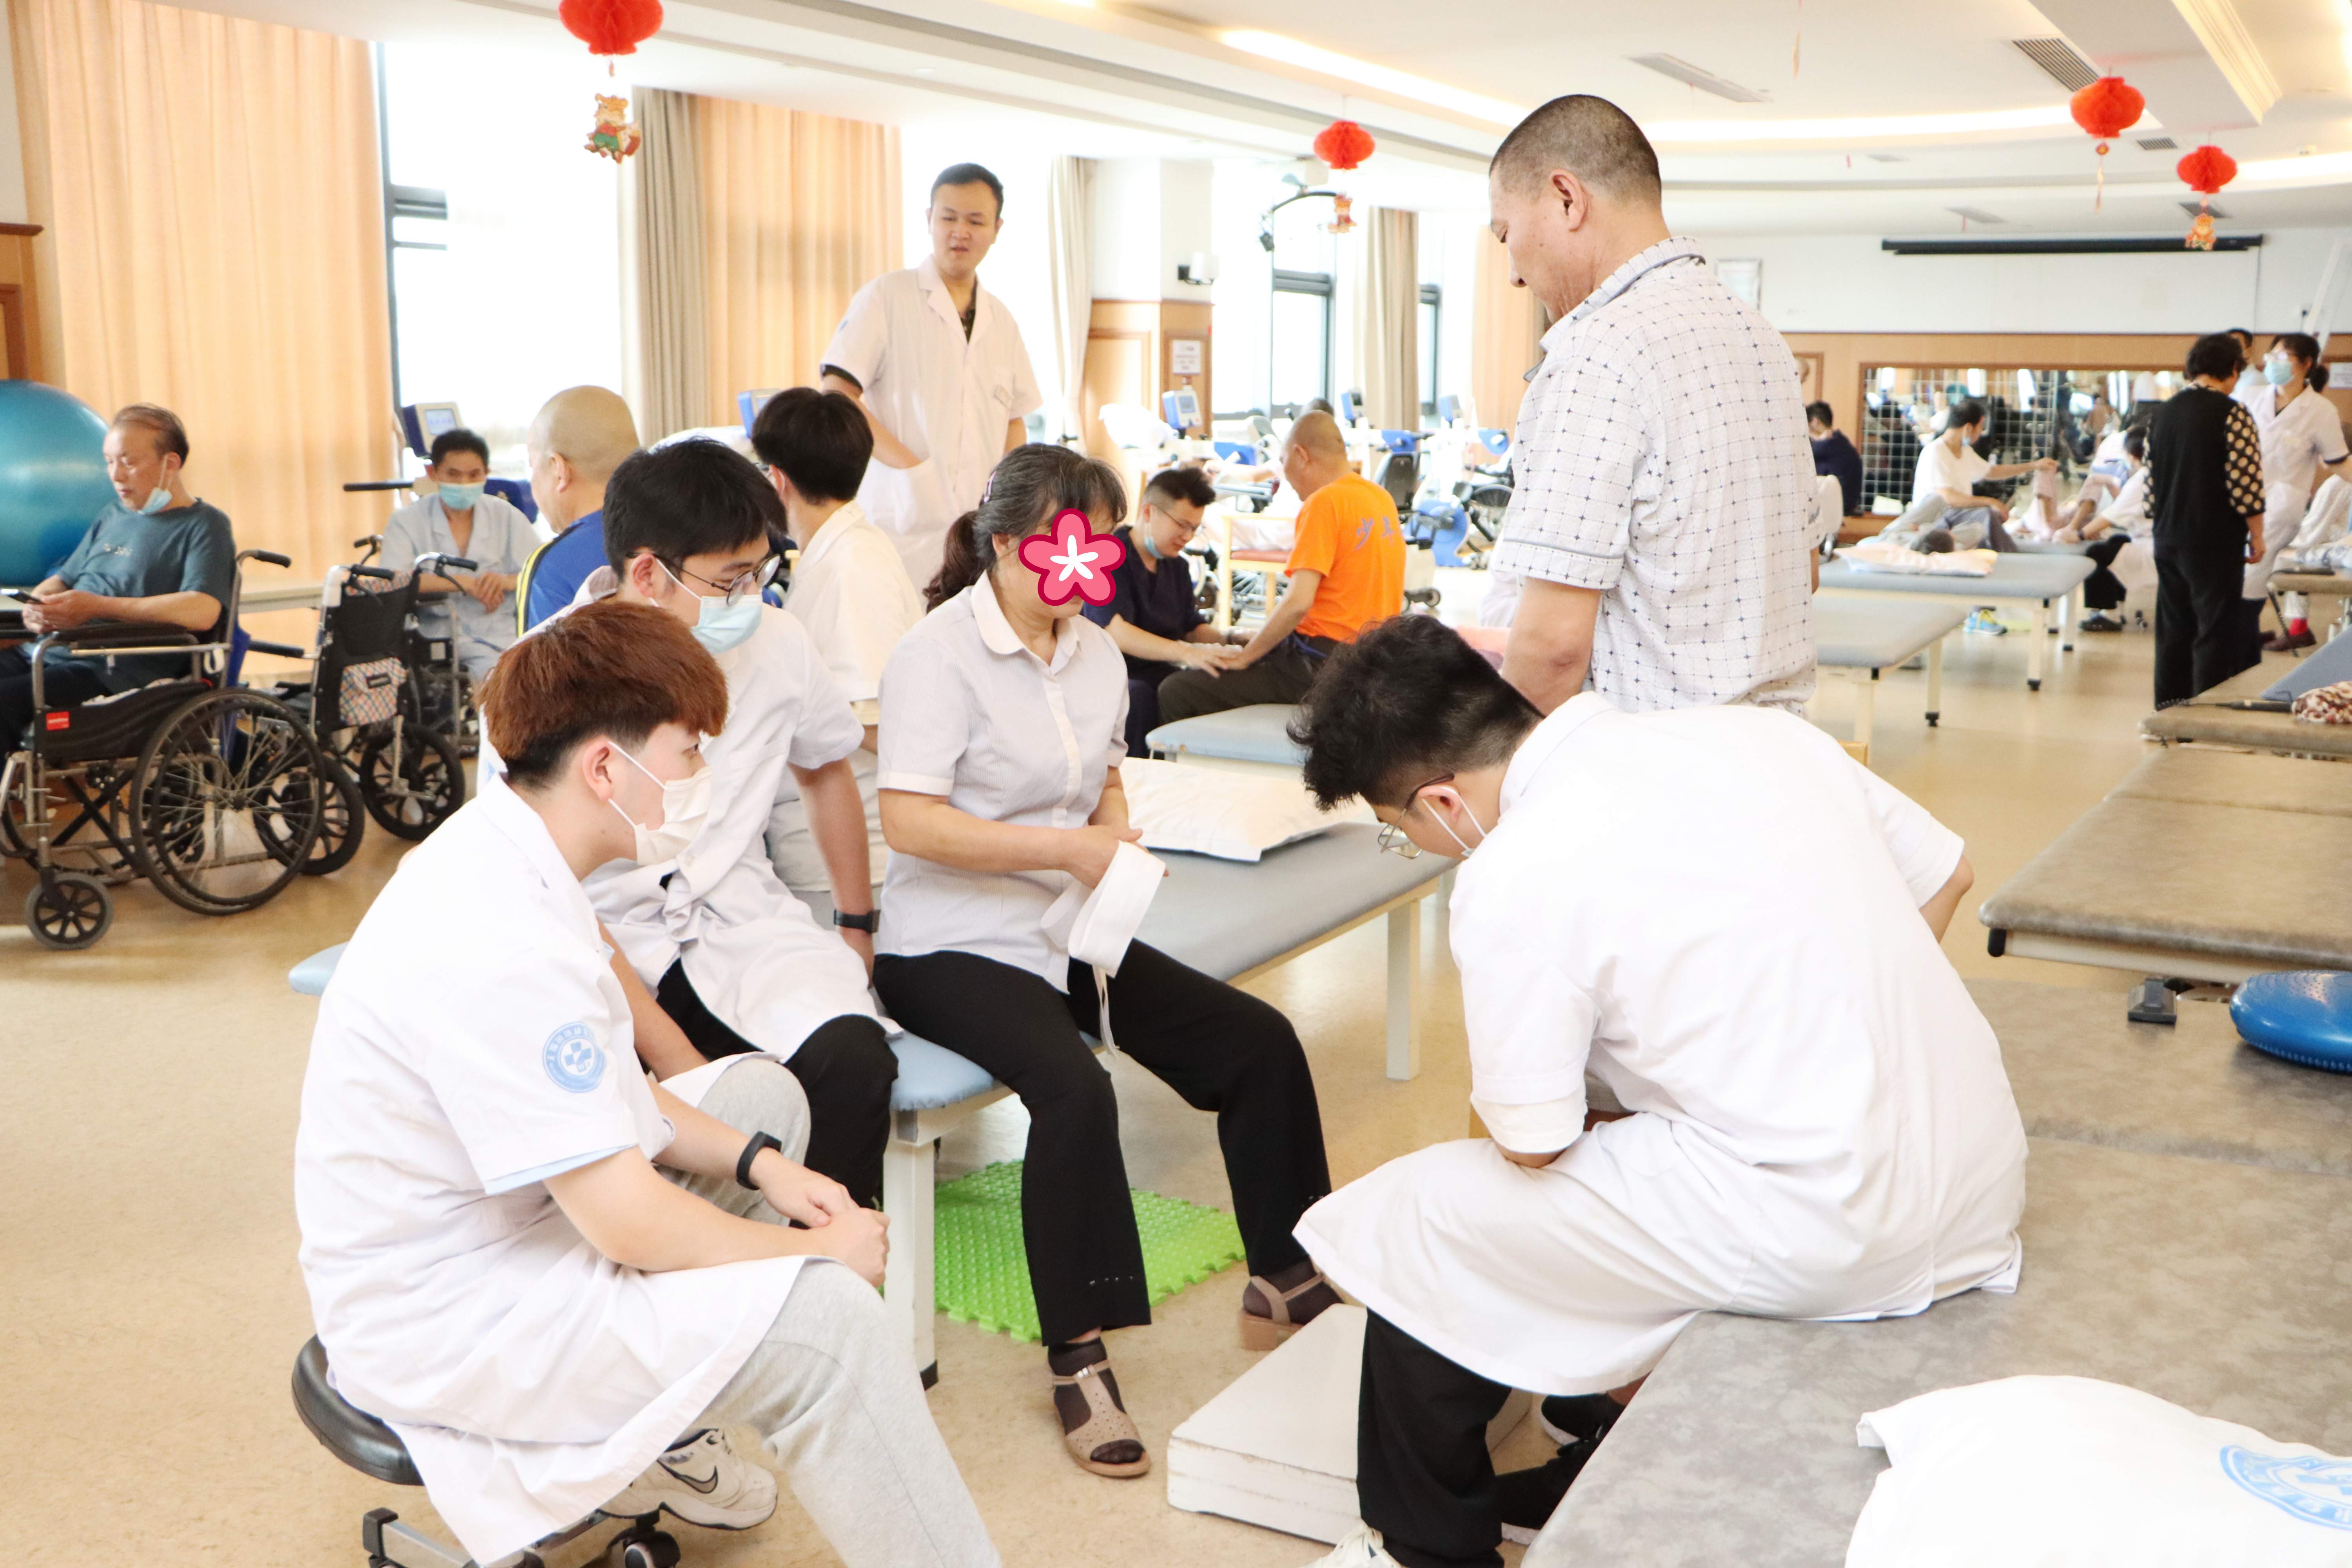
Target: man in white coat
[[937, 364], [731, 955], [1719, 916], [499, 1265]]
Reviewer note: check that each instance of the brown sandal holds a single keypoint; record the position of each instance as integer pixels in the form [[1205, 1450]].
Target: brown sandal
[[1107, 1423], [1265, 1333]]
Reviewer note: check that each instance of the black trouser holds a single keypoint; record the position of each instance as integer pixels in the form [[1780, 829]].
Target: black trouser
[[846, 1067], [2200, 627], [2103, 590], [1424, 1477], [1143, 707], [62, 686], [2250, 632], [1222, 1049], [1282, 676]]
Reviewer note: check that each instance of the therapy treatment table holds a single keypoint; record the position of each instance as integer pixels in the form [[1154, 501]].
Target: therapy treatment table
[[2033, 581], [1860, 638]]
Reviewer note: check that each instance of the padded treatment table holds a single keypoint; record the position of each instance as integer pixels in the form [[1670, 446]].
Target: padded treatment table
[[2331, 587], [2219, 1286], [2034, 581], [2251, 780], [2202, 720], [1250, 739], [1861, 637], [2183, 888], [2086, 1074]]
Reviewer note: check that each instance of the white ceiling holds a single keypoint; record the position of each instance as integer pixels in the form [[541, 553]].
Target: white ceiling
[[1113, 77]]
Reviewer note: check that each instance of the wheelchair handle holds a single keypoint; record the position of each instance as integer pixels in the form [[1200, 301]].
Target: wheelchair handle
[[440, 560], [283, 650], [271, 556], [357, 486], [376, 571]]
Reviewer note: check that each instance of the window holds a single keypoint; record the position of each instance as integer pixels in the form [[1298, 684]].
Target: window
[[1300, 361], [1428, 323]]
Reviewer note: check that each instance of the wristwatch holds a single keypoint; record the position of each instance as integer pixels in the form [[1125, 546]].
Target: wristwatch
[[868, 922], [751, 1152]]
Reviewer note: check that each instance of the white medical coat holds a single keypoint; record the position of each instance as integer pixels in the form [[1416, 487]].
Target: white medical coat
[[472, 1044], [949, 398], [2296, 440], [753, 952], [1715, 912]]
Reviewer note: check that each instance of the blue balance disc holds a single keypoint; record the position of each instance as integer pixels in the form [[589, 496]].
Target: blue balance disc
[[53, 480], [2303, 1015]]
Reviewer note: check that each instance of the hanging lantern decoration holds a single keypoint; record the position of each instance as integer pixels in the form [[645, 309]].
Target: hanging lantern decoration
[[1343, 144], [2107, 109], [2205, 171], [614, 136], [611, 27]]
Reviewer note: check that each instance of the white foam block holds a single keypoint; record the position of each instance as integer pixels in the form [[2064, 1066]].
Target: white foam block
[[1277, 1447]]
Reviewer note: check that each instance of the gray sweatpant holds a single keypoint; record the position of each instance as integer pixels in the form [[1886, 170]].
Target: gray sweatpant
[[835, 1395]]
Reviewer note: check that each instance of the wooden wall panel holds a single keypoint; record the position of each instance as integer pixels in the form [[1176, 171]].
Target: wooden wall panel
[[21, 357]]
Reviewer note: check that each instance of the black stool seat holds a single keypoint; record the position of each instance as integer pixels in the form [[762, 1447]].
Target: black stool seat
[[351, 1435]]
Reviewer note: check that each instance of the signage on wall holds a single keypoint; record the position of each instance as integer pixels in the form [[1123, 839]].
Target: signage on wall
[[1184, 356]]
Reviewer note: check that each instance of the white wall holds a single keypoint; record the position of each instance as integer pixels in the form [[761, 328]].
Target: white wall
[[1149, 216], [11, 152], [1846, 283]]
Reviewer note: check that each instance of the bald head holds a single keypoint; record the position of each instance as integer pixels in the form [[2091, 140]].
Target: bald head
[[575, 441], [1314, 454], [1319, 433], [1591, 138]]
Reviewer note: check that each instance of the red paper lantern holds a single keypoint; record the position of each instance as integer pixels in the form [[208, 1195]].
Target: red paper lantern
[[2107, 109], [611, 26], [1343, 144], [2205, 171]]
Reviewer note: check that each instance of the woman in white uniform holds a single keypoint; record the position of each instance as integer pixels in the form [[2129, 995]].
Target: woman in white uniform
[[1719, 915], [732, 956], [1001, 732], [461, 518], [2302, 434], [498, 1265]]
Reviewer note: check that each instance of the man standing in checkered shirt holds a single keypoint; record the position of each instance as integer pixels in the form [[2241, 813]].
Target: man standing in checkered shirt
[[1658, 540]]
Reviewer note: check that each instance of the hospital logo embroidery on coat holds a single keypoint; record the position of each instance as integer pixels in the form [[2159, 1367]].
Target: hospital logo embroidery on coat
[[574, 1059], [2312, 1486]]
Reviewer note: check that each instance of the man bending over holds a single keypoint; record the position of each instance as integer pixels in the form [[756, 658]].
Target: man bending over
[[1722, 918]]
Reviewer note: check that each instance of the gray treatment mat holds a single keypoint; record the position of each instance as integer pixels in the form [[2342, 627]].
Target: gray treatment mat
[[2220, 1287], [2260, 781], [2202, 721]]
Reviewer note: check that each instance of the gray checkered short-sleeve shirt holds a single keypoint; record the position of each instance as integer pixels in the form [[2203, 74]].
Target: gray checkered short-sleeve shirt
[[1661, 459]]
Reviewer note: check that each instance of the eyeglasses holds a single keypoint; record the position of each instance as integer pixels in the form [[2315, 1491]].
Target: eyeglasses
[[750, 585], [1392, 838]]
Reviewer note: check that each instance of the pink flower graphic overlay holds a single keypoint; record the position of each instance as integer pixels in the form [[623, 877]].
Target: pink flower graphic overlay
[[1073, 559]]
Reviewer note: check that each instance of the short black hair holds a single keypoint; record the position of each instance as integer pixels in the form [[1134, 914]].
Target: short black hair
[[1591, 137], [1822, 413], [689, 497], [1180, 484], [1968, 411], [1405, 702], [970, 174], [819, 440], [458, 440], [2216, 354], [2135, 442], [2301, 346], [2245, 335]]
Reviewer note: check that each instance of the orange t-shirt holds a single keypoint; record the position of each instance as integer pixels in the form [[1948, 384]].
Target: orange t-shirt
[[1348, 531]]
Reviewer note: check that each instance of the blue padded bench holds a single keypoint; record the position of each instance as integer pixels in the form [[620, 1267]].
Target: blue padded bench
[[1861, 637], [1255, 735], [1228, 918], [2034, 581]]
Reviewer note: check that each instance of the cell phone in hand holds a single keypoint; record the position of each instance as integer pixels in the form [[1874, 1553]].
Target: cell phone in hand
[[19, 595]]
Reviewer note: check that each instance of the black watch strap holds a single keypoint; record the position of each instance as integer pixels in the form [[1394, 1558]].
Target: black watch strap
[[868, 922], [751, 1152]]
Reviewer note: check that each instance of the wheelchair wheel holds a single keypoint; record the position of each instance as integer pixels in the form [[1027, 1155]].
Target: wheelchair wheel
[[418, 795], [342, 823], [227, 802], [67, 909]]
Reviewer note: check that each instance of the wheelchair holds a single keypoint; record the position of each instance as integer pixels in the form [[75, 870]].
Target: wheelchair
[[213, 792], [387, 705]]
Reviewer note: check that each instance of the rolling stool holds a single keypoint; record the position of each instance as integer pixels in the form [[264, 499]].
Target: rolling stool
[[368, 1446]]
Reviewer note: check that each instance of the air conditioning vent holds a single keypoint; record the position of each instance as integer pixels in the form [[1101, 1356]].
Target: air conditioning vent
[[1694, 76], [2192, 209], [1976, 214], [2058, 62], [1886, 157], [2157, 144]]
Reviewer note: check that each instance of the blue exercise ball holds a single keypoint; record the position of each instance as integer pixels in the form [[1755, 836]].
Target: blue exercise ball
[[53, 480]]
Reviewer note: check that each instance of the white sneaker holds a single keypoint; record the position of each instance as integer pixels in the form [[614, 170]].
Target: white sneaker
[[1362, 1550], [703, 1481]]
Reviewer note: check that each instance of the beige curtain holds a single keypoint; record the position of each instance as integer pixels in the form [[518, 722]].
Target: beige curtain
[[1388, 320], [1069, 247], [799, 211], [666, 365], [212, 240], [1505, 338]]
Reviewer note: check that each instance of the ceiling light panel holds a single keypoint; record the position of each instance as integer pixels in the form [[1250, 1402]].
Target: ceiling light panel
[[1705, 80], [1366, 73], [1976, 214]]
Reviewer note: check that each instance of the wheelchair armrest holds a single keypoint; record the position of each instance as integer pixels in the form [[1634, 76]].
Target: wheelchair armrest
[[283, 650], [122, 634]]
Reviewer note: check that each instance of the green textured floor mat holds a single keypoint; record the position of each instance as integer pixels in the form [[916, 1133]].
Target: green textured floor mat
[[981, 1269]]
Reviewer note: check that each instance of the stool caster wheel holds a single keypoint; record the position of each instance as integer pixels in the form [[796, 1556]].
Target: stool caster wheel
[[643, 1548], [2033, 686], [1932, 718]]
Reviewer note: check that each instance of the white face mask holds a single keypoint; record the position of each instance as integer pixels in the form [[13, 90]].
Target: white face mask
[[1466, 849], [684, 803], [160, 498]]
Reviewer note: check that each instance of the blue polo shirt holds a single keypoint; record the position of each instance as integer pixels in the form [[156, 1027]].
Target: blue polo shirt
[[552, 579]]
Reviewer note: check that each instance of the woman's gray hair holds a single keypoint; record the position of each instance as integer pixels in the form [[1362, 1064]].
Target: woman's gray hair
[[1029, 488]]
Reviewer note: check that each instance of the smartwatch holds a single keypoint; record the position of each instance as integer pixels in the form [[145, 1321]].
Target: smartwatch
[[868, 922], [751, 1152]]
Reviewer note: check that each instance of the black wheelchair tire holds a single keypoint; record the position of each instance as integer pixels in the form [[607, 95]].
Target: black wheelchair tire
[[150, 798], [435, 773]]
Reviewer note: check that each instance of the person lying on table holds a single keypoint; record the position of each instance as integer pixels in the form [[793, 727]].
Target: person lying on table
[[540, 1268], [1346, 571], [1002, 734], [1155, 616], [1737, 929]]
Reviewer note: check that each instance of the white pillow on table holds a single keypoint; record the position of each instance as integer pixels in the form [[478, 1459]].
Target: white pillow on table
[[1228, 814]]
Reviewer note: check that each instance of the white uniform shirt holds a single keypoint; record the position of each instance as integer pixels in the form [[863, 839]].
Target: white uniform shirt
[[851, 592], [472, 1044], [502, 541], [948, 397], [2296, 440], [1941, 468], [2128, 509], [970, 713], [1661, 459]]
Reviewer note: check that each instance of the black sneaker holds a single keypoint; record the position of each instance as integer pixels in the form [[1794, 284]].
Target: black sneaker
[[1577, 1417], [2102, 623], [1526, 1499]]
